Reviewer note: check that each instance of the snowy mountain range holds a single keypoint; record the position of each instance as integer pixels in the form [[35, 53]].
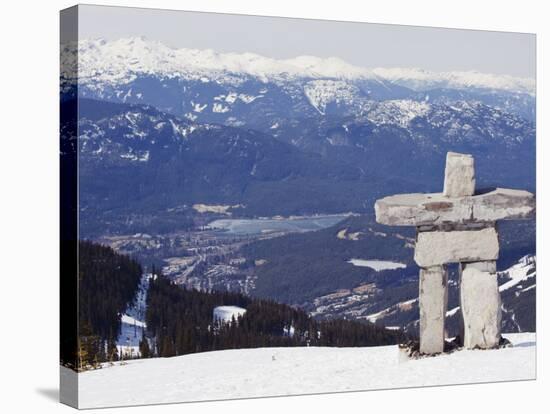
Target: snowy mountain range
[[120, 61], [225, 88]]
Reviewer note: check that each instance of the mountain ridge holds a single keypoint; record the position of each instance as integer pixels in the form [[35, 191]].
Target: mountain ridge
[[118, 60]]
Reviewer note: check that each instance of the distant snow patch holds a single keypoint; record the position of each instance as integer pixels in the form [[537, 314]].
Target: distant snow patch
[[344, 235], [322, 92], [226, 314], [215, 208], [197, 107], [132, 321], [219, 108], [398, 111], [401, 306], [519, 272], [142, 156], [377, 265]]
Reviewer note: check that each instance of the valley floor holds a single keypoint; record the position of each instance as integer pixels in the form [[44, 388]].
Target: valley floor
[[287, 371]]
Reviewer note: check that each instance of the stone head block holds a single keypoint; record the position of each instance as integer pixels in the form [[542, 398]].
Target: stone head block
[[459, 175], [439, 247]]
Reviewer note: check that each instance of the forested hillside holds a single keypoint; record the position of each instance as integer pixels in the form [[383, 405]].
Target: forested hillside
[[107, 284], [180, 322]]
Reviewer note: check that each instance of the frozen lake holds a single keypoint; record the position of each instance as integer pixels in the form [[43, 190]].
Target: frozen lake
[[271, 225]]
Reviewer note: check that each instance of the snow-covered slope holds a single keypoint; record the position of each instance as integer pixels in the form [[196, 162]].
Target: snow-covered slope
[[118, 61], [286, 371], [320, 93], [133, 322], [519, 274], [517, 286], [419, 79], [398, 112]]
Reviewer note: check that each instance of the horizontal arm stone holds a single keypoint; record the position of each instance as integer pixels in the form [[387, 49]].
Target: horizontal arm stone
[[433, 209]]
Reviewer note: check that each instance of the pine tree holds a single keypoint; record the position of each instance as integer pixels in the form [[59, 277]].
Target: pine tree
[[82, 355], [144, 349], [112, 351]]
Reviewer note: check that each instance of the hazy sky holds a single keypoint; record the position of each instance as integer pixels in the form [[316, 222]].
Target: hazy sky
[[362, 44]]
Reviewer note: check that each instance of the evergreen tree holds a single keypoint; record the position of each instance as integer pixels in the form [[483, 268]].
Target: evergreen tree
[[144, 349], [112, 351]]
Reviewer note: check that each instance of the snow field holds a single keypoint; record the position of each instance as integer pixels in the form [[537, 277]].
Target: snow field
[[287, 371]]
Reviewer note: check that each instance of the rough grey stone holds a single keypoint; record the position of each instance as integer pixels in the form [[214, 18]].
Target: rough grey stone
[[480, 304], [439, 247], [433, 308], [436, 209], [503, 204], [489, 266], [459, 175], [455, 226]]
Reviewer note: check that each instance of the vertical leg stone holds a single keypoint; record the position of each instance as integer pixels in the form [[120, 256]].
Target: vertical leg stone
[[480, 303], [433, 308]]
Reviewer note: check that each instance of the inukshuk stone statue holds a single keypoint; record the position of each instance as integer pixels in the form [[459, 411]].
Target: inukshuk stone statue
[[457, 226]]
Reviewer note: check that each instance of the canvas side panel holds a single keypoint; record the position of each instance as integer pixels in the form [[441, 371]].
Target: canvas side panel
[[68, 206]]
